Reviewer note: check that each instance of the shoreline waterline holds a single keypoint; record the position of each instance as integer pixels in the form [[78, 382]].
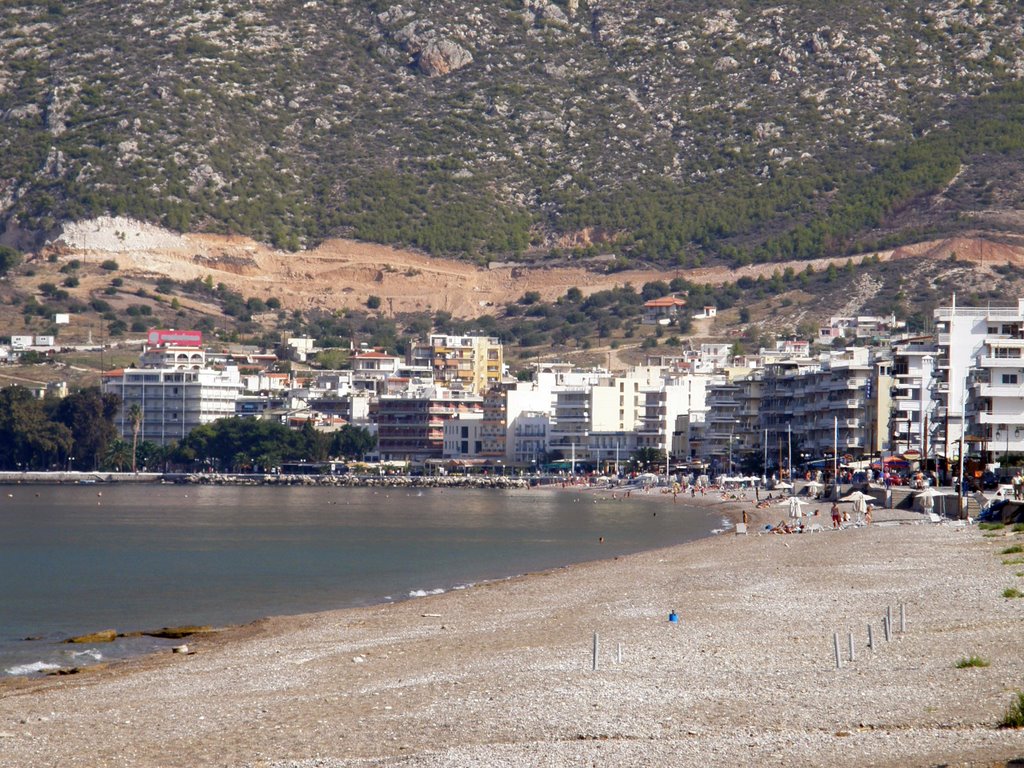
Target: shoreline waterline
[[501, 674], [231, 555]]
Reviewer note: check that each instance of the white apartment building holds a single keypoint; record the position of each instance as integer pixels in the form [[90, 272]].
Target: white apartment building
[[833, 405], [979, 375], [463, 438], [371, 369], [814, 404], [528, 438], [913, 424], [176, 396], [670, 406]]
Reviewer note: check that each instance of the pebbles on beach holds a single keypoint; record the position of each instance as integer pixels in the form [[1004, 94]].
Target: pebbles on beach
[[746, 677]]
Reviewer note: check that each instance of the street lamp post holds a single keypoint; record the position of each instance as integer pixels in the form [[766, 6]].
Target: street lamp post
[[731, 427]]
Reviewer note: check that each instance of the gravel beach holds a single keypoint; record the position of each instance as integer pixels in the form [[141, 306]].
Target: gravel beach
[[501, 674]]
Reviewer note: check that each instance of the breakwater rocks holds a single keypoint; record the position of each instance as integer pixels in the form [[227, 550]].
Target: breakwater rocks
[[499, 482]]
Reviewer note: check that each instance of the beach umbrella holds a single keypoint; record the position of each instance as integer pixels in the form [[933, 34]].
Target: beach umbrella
[[794, 505], [783, 486], [813, 487], [927, 498], [859, 500]]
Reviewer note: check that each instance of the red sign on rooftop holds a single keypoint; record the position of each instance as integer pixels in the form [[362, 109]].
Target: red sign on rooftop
[[175, 338]]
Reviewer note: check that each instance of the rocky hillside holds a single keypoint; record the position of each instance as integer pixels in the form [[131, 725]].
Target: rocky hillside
[[680, 133]]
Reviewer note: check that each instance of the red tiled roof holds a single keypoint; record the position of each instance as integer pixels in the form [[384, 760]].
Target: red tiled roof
[[665, 301]]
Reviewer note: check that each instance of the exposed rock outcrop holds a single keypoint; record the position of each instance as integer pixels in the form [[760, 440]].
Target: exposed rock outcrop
[[440, 57], [103, 636]]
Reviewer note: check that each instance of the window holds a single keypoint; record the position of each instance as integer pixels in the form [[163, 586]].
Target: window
[[1009, 378]]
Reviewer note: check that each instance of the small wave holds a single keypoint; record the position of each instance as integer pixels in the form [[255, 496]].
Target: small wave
[[32, 669], [92, 653], [425, 592]]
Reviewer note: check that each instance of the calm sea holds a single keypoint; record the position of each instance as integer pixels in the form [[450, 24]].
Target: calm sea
[[75, 559]]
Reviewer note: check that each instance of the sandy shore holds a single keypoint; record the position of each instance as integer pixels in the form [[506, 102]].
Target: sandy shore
[[501, 674]]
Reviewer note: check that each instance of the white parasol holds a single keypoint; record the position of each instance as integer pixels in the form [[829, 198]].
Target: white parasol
[[860, 501], [794, 505], [813, 487], [926, 498]]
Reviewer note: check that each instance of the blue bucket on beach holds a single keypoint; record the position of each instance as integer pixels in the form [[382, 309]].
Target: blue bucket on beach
[[673, 618]]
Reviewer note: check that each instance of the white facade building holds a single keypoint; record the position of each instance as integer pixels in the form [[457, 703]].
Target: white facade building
[[979, 375], [174, 399], [463, 438]]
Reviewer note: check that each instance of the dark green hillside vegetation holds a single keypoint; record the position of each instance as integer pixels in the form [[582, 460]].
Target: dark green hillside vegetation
[[676, 134]]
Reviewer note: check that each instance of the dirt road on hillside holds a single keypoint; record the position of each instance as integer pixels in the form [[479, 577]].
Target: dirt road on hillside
[[342, 274]]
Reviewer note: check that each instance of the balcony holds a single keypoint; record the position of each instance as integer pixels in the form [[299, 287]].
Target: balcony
[[987, 417], [1001, 390], [1000, 362]]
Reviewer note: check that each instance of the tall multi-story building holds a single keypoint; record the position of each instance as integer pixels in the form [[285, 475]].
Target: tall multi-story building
[[527, 441], [979, 372], [175, 393], [494, 427], [410, 426], [913, 424], [468, 363], [835, 405], [731, 429]]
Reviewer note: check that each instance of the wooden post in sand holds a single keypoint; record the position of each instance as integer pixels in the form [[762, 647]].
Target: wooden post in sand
[[618, 655], [853, 655], [871, 638], [595, 651], [886, 629], [835, 645], [903, 619]]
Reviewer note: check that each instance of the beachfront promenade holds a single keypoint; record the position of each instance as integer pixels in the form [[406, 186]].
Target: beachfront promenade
[[249, 479], [502, 674]]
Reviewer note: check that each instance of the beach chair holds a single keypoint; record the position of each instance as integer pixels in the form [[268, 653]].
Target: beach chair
[[934, 518]]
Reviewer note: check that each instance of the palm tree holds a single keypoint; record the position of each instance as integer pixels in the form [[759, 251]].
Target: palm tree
[[117, 455], [135, 418]]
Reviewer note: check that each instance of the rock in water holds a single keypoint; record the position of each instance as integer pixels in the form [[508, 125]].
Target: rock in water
[[176, 633], [103, 636]]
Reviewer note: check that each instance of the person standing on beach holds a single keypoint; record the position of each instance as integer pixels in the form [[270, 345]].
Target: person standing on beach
[[836, 518], [867, 515]]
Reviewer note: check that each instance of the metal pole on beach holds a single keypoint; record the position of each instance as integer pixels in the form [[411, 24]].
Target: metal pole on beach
[[789, 456], [835, 457], [764, 466], [595, 651]]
